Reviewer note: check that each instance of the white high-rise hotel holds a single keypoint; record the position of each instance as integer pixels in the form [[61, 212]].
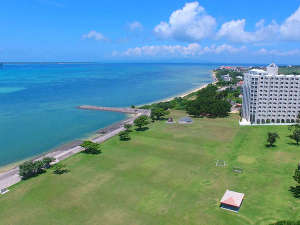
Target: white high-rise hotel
[[269, 97]]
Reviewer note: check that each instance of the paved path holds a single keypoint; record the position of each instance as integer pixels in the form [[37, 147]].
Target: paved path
[[12, 177]]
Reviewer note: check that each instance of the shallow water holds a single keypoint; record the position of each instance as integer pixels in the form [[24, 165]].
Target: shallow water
[[38, 101]]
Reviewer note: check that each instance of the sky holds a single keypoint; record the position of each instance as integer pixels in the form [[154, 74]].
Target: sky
[[223, 31]]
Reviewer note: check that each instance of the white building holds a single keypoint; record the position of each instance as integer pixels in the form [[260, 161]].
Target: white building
[[269, 97], [226, 77]]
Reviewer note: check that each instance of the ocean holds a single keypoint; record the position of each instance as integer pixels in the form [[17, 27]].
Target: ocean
[[38, 101]]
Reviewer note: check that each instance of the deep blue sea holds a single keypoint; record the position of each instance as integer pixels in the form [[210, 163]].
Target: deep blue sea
[[38, 101]]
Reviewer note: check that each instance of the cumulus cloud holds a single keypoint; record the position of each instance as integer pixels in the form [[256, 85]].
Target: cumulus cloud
[[234, 30], [135, 26], [191, 23], [290, 29], [94, 35], [193, 49]]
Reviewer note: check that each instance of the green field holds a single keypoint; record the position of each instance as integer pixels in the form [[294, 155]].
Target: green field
[[166, 175]]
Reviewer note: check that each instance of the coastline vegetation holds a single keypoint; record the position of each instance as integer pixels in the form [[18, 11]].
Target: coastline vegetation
[[208, 101]]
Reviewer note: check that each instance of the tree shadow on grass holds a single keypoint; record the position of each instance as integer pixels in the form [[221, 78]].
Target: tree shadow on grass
[[295, 191], [125, 140], [91, 152], [63, 171], [142, 129], [292, 143], [34, 175], [270, 146]]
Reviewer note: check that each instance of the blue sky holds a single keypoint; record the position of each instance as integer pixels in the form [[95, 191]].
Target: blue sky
[[232, 31]]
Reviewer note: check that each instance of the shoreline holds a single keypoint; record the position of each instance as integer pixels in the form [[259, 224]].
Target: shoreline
[[65, 150], [186, 93]]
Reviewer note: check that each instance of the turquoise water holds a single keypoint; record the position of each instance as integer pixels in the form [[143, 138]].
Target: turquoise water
[[38, 101]]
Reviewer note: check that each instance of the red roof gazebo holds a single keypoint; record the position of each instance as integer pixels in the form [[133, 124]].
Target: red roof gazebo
[[232, 200]]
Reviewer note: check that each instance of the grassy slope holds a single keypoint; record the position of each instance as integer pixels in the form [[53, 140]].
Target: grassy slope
[[165, 175]]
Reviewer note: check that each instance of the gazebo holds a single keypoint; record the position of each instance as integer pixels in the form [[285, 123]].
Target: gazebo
[[232, 200]]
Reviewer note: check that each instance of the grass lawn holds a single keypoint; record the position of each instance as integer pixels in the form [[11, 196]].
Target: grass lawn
[[166, 175]]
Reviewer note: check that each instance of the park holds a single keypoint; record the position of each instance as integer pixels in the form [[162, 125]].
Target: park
[[167, 174]]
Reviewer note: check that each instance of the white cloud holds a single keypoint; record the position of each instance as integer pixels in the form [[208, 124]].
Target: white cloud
[[290, 29], [235, 31], [264, 51], [193, 49], [94, 35], [135, 26], [191, 23]]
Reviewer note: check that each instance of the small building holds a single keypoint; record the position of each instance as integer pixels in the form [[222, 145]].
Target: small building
[[239, 77], [226, 78], [232, 200]]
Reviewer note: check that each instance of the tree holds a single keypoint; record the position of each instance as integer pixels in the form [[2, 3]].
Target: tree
[[220, 108], [26, 170], [296, 190], [38, 167], [141, 121], [209, 103], [91, 147], [127, 126], [30, 169], [293, 127], [124, 136], [60, 168], [297, 174], [296, 135], [158, 113], [46, 162], [272, 138]]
